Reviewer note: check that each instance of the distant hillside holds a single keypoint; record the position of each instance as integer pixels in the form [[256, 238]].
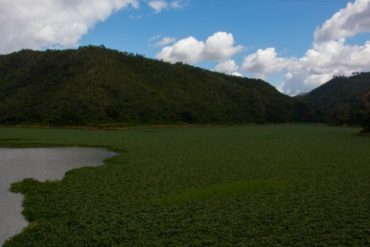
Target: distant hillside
[[98, 85], [343, 99]]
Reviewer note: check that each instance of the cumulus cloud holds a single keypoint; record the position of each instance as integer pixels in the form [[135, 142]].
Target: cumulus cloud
[[237, 74], [228, 67], [324, 61], [264, 62], [218, 47], [347, 22], [186, 50], [36, 24], [330, 54], [318, 65], [45, 23]]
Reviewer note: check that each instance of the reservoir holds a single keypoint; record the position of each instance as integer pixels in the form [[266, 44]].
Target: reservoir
[[41, 164]]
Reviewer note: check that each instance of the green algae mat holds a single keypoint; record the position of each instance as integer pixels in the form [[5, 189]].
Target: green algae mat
[[291, 185]]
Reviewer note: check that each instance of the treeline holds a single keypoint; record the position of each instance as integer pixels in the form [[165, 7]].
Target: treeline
[[93, 85]]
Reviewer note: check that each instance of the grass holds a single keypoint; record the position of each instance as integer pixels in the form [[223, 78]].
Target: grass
[[295, 185]]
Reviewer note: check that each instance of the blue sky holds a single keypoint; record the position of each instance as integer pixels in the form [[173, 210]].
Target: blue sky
[[296, 45], [287, 25]]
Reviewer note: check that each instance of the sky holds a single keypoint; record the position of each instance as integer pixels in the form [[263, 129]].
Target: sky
[[296, 45]]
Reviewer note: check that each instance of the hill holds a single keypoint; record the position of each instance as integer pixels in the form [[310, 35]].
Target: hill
[[99, 85], [343, 99]]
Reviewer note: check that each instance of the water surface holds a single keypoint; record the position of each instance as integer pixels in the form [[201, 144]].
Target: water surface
[[42, 164]]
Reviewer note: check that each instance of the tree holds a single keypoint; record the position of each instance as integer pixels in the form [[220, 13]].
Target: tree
[[366, 123], [342, 113]]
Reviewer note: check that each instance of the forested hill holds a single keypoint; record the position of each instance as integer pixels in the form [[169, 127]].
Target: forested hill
[[343, 99], [98, 85]]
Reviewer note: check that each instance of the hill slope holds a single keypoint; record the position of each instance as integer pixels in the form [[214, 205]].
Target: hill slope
[[343, 99], [98, 85]]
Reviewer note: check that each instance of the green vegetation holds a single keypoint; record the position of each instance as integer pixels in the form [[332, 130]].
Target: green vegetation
[[94, 85], [222, 190], [290, 185], [366, 123], [343, 100]]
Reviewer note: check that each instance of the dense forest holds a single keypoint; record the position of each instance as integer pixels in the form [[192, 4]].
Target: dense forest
[[94, 85], [342, 100], [366, 123]]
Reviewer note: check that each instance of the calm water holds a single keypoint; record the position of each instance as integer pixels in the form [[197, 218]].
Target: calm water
[[42, 164]]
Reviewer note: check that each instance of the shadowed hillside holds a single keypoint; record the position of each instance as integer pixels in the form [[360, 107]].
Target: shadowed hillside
[[98, 85], [342, 100]]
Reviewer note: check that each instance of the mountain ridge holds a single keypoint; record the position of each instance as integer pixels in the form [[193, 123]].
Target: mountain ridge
[[99, 85], [342, 100]]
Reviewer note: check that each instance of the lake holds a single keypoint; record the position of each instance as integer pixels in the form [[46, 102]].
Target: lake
[[42, 164]]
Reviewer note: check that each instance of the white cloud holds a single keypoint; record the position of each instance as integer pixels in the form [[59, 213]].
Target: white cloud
[[347, 22], [237, 74], [324, 61], [160, 5], [317, 66], [178, 4], [228, 67], [330, 54], [187, 50], [159, 41], [36, 24], [218, 47], [46, 23], [264, 62], [166, 41]]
